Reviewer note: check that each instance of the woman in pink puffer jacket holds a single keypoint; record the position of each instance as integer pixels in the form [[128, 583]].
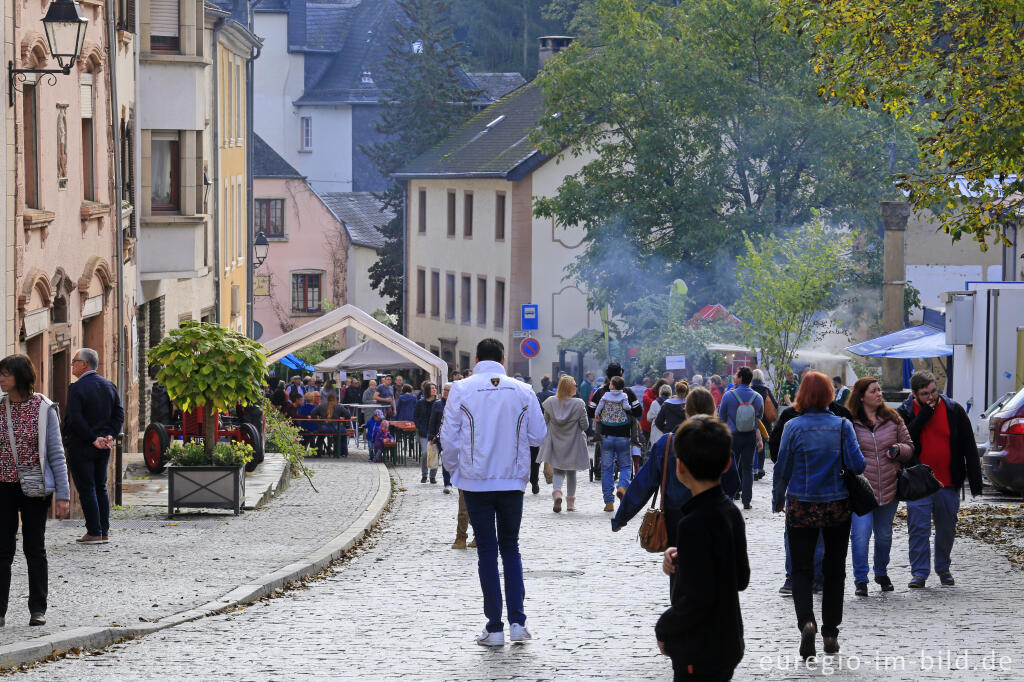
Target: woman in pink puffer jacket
[[886, 445]]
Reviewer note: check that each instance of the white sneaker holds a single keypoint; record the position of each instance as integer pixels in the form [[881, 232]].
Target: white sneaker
[[518, 633], [491, 638], [447, 490]]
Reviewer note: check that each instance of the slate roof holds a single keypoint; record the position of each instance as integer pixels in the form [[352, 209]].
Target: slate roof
[[492, 144], [327, 22], [496, 85], [363, 47], [266, 163], [271, 6], [361, 214]]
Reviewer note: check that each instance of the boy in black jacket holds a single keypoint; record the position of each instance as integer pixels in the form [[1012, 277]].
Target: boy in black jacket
[[703, 629]]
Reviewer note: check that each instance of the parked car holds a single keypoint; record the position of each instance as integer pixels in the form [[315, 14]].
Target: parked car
[[1004, 461], [981, 430]]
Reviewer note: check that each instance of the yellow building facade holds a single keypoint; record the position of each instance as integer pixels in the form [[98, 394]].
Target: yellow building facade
[[234, 47]]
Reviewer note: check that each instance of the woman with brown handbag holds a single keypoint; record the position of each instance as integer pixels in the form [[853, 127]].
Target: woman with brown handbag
[[648, 479]]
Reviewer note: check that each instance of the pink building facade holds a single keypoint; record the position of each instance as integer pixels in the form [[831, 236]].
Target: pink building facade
[[64, 235], [307, 261]]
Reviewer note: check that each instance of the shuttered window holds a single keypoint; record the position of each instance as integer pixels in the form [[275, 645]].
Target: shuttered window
[[163, 25], [85, 94]]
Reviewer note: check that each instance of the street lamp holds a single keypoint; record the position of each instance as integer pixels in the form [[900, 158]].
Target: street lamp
[[65, 27], [261, 248]]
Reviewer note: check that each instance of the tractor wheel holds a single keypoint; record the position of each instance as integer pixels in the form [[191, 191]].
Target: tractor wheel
[[247, 433], [154, 445]]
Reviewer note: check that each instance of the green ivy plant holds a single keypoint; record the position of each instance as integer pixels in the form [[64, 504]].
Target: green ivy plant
[[283, 437], [205, 365]]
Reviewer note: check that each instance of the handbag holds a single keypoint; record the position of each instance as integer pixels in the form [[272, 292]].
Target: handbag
[[31, 478], [653, 534], [916, 482], [432, 455], [862, 495]]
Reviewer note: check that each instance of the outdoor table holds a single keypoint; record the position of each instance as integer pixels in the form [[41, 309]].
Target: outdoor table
[[406, 437], [338, 429]]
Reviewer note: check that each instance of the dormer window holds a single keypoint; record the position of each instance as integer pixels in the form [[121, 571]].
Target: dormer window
[[367, 78], [417, 47]]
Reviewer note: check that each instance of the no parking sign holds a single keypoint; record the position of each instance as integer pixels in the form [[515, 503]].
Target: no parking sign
[[529, 348]]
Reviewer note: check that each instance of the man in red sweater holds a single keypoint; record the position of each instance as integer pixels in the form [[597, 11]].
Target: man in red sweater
[[943, 439]]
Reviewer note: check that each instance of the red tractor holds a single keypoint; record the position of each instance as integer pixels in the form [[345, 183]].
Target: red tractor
[[157, 437]]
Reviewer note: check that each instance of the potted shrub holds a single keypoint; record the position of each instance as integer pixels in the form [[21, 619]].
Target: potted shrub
[[198, 479]]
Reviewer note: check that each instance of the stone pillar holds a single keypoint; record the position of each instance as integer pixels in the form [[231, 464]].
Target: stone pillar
[[894, 275]]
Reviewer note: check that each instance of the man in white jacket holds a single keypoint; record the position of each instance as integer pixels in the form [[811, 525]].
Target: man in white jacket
[[490, 422]]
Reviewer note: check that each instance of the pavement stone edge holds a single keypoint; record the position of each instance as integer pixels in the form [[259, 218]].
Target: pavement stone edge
[[84, 638]]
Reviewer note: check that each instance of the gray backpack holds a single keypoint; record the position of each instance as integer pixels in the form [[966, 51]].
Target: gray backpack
[[746, 415]]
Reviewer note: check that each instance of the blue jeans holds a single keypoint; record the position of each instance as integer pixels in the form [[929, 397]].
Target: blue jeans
[[744, 445], [614, 449], [878, 521], [90, 473], [819, 554], [940, 508], [446, 476], [495, 517]]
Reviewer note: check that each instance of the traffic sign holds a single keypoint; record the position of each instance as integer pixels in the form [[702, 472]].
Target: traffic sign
[[520, 334], [529, 348], [529, 314]]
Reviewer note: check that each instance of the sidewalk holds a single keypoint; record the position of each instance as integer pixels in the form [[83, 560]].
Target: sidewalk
[[156, 572]]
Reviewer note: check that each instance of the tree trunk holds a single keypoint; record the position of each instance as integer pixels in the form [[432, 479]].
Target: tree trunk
[[209, 430]]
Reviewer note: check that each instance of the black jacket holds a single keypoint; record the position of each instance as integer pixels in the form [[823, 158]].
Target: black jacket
[[963, 451], [636, 411], [94, 410], [704, 627], [789, 412], [436, 413], [421, 416], [352, 395], [670, 417]]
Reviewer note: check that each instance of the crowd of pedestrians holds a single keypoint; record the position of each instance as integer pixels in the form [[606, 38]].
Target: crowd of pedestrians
[[705, 442]]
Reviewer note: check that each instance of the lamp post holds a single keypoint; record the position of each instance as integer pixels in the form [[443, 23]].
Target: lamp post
[[65, 27], [261, 248]]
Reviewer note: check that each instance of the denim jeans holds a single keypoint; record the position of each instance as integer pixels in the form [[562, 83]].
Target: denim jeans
[[90, 474], [33, 542], [803, 542], [819, 554], [446, 476], [940, 508], [495, 517], [744, 445], [879, 522], [614, 449], [424, 443]]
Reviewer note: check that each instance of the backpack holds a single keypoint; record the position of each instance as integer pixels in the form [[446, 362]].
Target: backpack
[[614, 414], [746, 415]]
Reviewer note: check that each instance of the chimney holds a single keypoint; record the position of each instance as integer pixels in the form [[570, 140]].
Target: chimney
[[550, 46]]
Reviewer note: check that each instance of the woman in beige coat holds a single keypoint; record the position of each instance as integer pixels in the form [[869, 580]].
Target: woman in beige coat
[[565, 446]]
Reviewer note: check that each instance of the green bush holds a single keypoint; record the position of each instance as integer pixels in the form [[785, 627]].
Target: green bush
[[193, 454]]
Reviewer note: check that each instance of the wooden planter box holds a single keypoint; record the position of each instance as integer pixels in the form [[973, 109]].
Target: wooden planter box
[[208, 487]]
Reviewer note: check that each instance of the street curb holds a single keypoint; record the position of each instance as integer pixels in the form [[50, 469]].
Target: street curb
[[38, 649]]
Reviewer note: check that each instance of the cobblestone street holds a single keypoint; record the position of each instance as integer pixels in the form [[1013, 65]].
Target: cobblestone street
[[407, 606]]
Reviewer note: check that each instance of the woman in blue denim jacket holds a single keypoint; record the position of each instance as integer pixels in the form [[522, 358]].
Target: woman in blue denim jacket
[[808, 483]]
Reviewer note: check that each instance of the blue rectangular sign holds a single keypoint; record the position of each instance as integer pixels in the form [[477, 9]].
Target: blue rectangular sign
[[530, 316]]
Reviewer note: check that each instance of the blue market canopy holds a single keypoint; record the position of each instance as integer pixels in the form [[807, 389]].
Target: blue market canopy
[[292, 362], [922, 341]]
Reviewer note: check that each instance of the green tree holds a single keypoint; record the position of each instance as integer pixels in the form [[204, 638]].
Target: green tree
[[422, 100], [706, 124], [954, 68], [493, 35], [205, 365], [788, 284]]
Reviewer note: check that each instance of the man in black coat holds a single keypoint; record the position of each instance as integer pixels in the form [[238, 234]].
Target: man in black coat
[[93, 421], [943, 439]]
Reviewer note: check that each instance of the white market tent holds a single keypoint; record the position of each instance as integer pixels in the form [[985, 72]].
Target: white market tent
[[349, 316], [369, 354], [832, 361]]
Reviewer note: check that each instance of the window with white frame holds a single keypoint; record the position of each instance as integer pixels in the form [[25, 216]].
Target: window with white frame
[[306, 134]]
